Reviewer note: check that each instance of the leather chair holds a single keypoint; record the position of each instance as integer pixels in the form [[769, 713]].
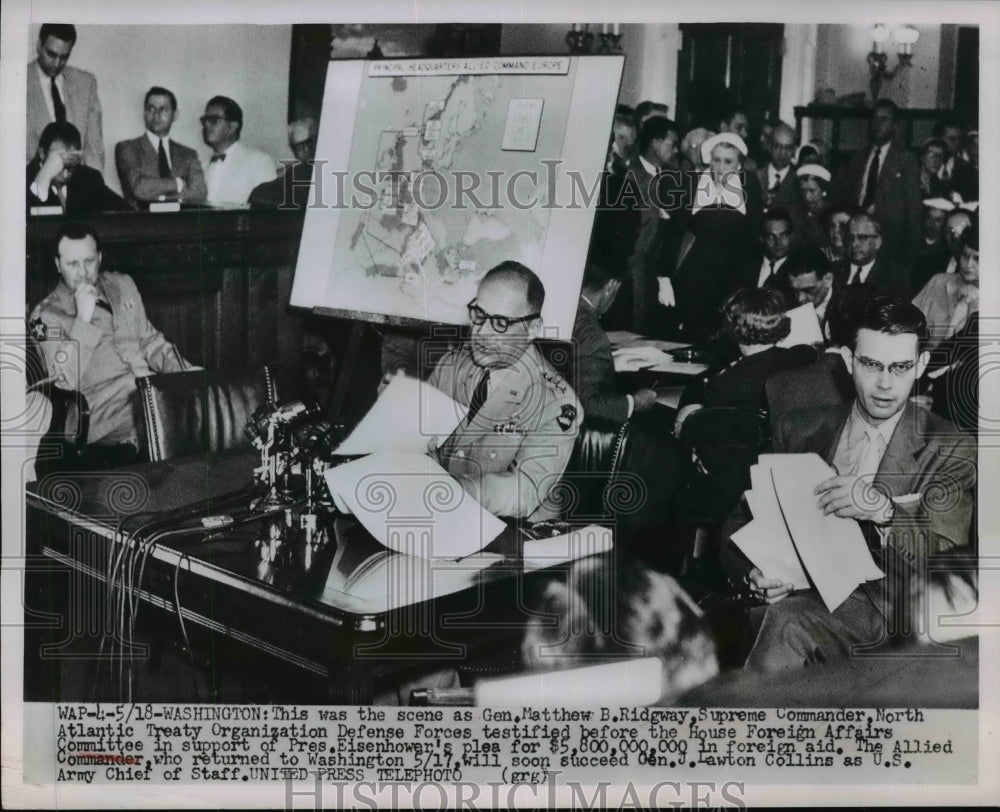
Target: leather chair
[[593, 487], [200, 412]]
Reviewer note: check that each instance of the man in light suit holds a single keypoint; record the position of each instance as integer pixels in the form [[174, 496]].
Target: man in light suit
[[907, 476], [57, 92], [154, 167], [523, 418], [885, 181]]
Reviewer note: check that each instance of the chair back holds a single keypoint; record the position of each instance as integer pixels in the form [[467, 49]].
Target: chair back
[[200, 412], [589, 487]]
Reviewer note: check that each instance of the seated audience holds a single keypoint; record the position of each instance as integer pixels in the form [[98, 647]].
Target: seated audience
[[95, 336], [836, 220], [154, 167], [932, 243], [56, 176], [895, 462], [607, 609], [945, 261], [291, 190], [932, 156], [764, 268], [810, 214], [865, 263], [234, 169], [523, 418], [949, 299], [595, 366]]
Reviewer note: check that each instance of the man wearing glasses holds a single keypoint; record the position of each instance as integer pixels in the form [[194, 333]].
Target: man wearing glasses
[[523, 417], [234, 169], [907, 476], [865, 263]]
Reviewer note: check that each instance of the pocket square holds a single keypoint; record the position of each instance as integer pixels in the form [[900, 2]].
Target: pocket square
[[906, 499]]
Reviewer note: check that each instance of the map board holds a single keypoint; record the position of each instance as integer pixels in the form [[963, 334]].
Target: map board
[[431, 171]]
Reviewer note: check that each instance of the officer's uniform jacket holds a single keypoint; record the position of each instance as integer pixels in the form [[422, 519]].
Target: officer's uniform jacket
[[515, 449], [103, 357]]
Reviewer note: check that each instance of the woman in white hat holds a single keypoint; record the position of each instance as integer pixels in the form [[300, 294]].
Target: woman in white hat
[[809, 215]]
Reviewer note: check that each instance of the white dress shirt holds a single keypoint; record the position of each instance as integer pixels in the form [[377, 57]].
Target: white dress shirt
[[860, 278], [231, 180], [46, 84]]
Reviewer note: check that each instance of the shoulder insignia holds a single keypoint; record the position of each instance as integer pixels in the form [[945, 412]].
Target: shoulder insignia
[[567, 416], [39, 330], [128, 304], [555, 380]]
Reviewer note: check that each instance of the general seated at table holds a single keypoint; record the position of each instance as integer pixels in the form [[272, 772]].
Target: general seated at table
[[154, 167], [897, 465], [95, 337], [57, 177]]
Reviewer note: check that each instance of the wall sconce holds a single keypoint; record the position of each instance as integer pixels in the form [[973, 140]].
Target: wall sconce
[[581, 40], [878, 59]]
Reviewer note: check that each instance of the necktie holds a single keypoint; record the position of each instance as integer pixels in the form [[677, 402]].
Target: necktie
[[164, 163], [776, 184], [855, 275], [57, 103], [220, 157], [479, 395], [872, 181]]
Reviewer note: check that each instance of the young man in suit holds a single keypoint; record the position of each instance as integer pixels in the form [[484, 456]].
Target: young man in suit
[[154, 167], [867, 262], [58, 93], [56, 177], [907, 476]]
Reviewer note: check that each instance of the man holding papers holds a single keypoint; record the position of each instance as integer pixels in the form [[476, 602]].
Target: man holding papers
[[907, 476], [523, 417]]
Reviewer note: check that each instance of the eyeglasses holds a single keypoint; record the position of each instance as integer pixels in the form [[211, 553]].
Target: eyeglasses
[[897, 370], [213, 119], [500, 324]]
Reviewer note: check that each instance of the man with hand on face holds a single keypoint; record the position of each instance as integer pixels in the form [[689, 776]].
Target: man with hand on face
[[56, 176], [95, 336], [897, 465], [58, 93], [154, 167], [523, 417], [233, 169]]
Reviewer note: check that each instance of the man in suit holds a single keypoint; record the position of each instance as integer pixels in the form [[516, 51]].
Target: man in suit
[[885, 181], [291, 190], [95, 337], [58, 93], [234, 169], [154, 167], [595, 367], [907, 476], [809, 278], [765, 267], [523, 418], [55, 176], [777, 179], [867, 263]]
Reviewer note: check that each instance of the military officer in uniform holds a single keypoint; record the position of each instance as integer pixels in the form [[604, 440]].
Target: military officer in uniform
[[523, 417], [95, 336]]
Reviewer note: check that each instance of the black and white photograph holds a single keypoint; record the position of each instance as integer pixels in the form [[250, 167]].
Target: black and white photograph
[[420, 404]]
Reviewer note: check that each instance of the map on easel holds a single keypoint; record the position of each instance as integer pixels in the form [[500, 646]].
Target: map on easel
[[431, 171]]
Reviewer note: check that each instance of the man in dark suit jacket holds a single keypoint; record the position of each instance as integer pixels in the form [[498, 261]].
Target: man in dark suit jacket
[[55, 176], [777, 178], [76, 99], [907, 476], [867, 262], [885, 180], [154, 167]]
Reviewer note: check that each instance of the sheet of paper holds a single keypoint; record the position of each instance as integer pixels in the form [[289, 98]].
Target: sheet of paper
[[628, 683], [412, 505], [620, 339], [404, 418], [630, 359], [805, 327], [832, 549], [769, 547], [576, 544]]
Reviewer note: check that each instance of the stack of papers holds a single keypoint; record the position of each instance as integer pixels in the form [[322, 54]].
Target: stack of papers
[[805, 327], [792, 541]]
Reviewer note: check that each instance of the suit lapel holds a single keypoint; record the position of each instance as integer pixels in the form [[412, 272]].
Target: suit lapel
[[898, 469]]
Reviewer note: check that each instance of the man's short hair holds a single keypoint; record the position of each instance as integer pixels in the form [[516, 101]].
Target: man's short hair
[[728, 114], [892, 316], [598, 272], [887, 104], [625, 110], [655, 129], [160, 91], [61, 31], [850, 209], [945, 122], [756, 316], [777, 214], [870, 218], [844, 313], [59, 131], [809, 259], [232, 110], [534, 289], [646, 108], [76, 231]]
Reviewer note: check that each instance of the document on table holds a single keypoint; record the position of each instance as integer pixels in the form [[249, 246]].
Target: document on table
[[805, 327], [404, 418], [790, 537], [412, 505]]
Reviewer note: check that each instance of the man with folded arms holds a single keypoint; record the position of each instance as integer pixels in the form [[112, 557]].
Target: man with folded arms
[[154, 167], [907, 476]]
